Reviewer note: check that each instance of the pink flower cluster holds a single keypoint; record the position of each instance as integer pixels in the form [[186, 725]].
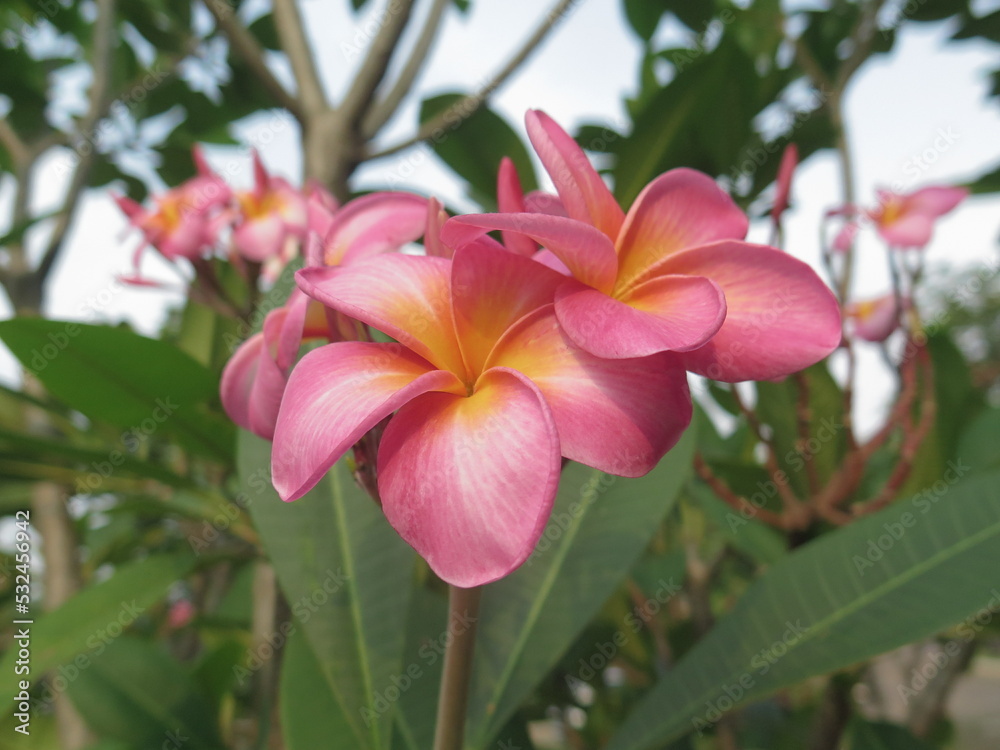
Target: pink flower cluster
[[905, 222], [264, 225], [571, 339]]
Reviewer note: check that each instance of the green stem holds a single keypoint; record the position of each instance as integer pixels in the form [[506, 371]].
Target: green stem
[[463, 614]]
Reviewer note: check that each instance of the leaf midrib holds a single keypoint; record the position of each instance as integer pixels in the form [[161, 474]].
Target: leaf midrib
[[904, 577], [533, 614]]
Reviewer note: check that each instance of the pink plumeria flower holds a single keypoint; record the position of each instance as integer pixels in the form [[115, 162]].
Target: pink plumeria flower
[[184, 222], [876, 319], [907, 220], [486, 394], [783, 190], [843, 241], [271, 220], [254, 379], [672, 275]]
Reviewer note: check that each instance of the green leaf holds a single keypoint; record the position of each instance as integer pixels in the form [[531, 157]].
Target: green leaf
[[64, 453], [135, 692], [978, 445], [677, 125], [823, 440], [310, 712], [474, 145], [347, 577], [987, 26], [265, 32], [120, 377], [866, 735], [854, 593], [762, 543], [599, 527], [426, 633], [988, 182], [83, 625]]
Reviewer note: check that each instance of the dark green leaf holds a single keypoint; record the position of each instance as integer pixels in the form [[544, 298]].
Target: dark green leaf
[[347, 577], [599, 527], [135, 692], [85, 623], [473, 145], [866, 735], [114, 375], [854, 593]]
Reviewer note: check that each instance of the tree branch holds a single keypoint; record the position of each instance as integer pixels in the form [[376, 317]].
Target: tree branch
[[295, 44], [359, 97], [18, 149], [381, 111], [99, 99], [246, 46], [472, 102]]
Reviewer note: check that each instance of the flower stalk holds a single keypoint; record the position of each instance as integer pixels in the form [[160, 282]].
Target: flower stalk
[[463, 607]]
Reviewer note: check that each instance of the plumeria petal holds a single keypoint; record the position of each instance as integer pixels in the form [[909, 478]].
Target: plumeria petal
[[469, 482], [783, 189], [491, 290], [876, 319], [407, 297], [581, 188], [935, 201], [676, 211], [374, 224], [668, 313], [549, 260], [259, 239], [540, 202], [270, 379], [436, 217], [620, 416], [588, 253], [780, 319], [510, 200], [909, 230], [237, 380], [335, 395]]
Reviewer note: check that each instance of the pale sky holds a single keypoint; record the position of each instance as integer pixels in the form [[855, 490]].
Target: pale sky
[[922, 104]]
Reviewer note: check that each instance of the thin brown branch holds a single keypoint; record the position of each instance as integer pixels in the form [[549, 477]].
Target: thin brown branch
[[737, 502], [247, 47], [296, 46], [911, 442], [359, 97], [469, 104], [795, 513], [805, 58], [803, 418], [9, 139], [99, 98], [863, 36], [382, 110]]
